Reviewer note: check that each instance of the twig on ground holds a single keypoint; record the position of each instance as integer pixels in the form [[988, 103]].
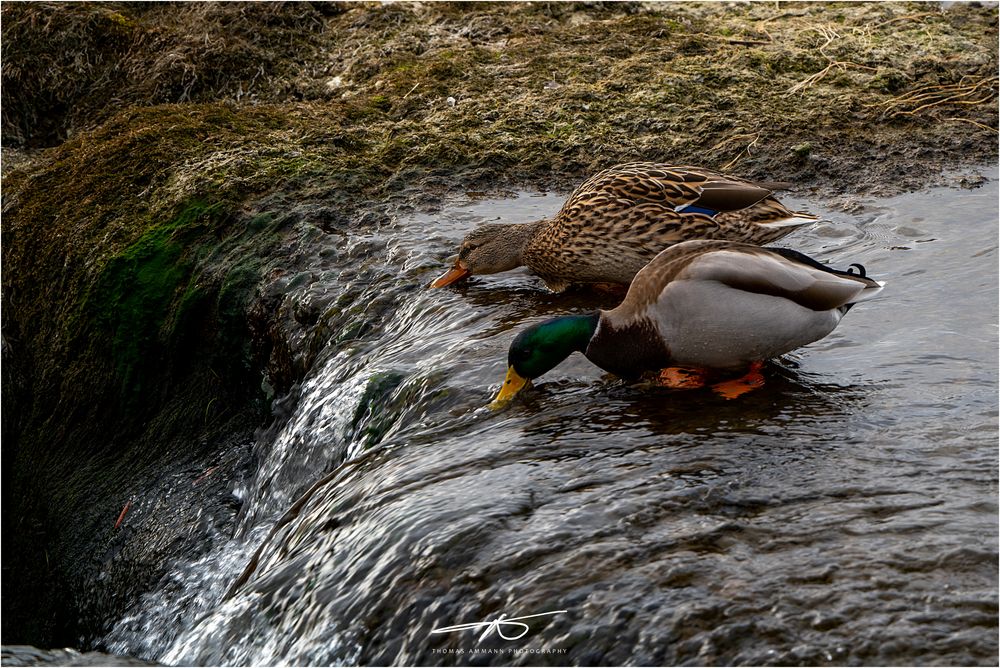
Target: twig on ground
[[908, 17], [753, 137], [978, 125], [744, 42], [831, 36], [936, 95]]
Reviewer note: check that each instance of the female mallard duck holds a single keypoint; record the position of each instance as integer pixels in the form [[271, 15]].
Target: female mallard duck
[[699, 306], [619, 219]]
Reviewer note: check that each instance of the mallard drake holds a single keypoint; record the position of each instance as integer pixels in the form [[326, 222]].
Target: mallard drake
[[619, 219], [699, 307]]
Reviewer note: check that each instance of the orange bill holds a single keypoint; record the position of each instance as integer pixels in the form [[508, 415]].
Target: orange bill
[[456, 273]]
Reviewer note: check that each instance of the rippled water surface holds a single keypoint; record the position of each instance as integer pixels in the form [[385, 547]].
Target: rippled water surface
[[845, 514]]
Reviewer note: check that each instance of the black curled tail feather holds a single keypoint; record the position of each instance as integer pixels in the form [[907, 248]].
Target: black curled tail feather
[[860, 272]]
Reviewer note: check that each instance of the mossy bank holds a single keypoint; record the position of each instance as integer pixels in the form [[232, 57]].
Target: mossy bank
[[185, 164]]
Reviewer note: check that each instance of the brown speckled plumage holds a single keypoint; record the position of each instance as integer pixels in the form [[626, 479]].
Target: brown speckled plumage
[[620, 218]]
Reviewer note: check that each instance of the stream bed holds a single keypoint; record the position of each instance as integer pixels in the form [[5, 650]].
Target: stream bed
[[844, 514]]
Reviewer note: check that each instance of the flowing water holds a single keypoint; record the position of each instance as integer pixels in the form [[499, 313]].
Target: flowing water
[[844, 514]]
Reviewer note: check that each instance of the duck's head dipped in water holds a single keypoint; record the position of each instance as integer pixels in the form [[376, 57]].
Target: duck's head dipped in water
[[699, 307], [542, 347]]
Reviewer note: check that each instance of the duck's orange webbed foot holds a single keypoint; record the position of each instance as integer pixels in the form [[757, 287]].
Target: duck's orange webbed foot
[[737, 387], [682, 377]]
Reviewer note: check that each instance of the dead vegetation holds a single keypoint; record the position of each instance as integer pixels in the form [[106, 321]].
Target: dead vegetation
[[968, 91], [70, 66], [831, 36], [597, 81]]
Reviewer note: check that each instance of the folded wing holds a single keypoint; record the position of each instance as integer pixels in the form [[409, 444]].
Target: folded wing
[[678, 188], [781, 273]]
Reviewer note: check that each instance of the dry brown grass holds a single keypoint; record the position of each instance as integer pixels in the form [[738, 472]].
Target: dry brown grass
[[643, 77], [541, 90], [171, 126], [68, 66]]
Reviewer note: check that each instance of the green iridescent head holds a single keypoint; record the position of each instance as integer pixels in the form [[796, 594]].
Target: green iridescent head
[[541, 348]]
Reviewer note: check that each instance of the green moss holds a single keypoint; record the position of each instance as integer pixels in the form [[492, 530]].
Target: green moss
[[888, 81], [134, 295], [380, 102], [116, 17], [404, 67], [373, 417], [231, 305]]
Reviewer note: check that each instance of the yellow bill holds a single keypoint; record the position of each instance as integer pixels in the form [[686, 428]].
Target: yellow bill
[[512, 384]]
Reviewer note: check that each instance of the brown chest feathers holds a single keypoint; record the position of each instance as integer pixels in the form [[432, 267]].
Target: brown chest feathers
[[644, 351]]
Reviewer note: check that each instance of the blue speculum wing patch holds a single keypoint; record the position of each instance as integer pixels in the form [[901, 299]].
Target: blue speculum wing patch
[[699, 209]]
